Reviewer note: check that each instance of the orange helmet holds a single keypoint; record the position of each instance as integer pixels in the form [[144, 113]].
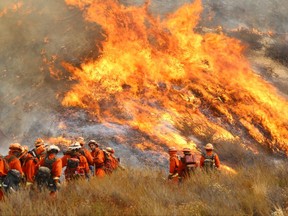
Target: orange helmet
[[209, 146], [38, 142], [16, 147]]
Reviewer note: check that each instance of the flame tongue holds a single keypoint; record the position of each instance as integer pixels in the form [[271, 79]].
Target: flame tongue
[[161, 76]]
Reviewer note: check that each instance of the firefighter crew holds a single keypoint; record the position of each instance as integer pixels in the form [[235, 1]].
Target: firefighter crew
[[209, 160]]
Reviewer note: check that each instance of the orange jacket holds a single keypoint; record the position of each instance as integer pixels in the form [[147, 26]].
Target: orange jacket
[[98, 157], [29, 167], [209, 153], [174, 164], [56, 166], [88, 156], [83, 164], [14, 162], [4, 167]]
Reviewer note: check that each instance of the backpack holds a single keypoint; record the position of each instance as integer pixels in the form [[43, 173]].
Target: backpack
[[73, 168], [43, 176], [209, 161], [12, 180]]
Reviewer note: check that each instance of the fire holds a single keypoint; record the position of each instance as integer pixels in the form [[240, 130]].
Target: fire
[[170, 82]]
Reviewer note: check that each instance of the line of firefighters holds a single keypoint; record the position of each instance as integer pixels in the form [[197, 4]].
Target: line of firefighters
[[41, 168], [181, 168]]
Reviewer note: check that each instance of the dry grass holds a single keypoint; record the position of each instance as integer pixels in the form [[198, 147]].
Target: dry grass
[[261, 189]]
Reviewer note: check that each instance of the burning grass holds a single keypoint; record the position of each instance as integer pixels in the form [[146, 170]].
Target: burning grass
[[261, 188]]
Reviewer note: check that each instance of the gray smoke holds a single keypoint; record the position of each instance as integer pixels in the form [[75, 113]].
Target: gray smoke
[[34, 37]]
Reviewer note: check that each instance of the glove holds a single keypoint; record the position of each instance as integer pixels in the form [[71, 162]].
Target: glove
[[57, 184], [28, 184]]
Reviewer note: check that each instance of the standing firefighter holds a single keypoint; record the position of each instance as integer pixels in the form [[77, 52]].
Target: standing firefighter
[[15, 174], [174, 165], [49, 171], [76, 164], [84, 151], [99, 158], [209, 160], [188, 164]]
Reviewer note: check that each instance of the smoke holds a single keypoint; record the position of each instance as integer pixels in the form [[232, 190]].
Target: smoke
[[36, 36]]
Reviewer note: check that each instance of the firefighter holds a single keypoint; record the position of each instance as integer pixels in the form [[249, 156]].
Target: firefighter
[[209, 160], [4, 168], [40, 149], [188, 164], [84, 151], [28, 163], [98, 158], [76, 164], [173, 165], [113, 164], [49, 170], [15, 174]]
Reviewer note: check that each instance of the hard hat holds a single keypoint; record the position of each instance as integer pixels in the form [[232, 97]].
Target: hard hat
[[109, 149], [80, 140], [16, 147], [172, 149], [75, 146], [53, 147], [186, 150], [38, 142], [25, 147], [209, 146], [93, 142]]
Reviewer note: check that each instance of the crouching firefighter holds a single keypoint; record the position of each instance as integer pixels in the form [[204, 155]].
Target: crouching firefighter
[[76, 164], [15, 174], [49, 170], [188, 164], [209, 161]]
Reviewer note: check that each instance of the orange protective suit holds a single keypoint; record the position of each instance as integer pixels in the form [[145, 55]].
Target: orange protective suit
[[14, 162], [99, 162], [56, 168], [85, 152], [173, 167], [82, 170], [29, 167], [4, 167]]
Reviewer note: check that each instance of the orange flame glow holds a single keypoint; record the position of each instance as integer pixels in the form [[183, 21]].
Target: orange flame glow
[[170, 82]]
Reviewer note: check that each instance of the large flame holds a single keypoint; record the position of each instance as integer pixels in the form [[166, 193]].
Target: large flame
[[170, 82]]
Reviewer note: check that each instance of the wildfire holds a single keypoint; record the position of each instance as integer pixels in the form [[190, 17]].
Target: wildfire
[[170, 82]]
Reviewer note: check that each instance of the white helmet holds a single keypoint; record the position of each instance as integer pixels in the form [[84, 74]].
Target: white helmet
[[53, 147], [75, 146]]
